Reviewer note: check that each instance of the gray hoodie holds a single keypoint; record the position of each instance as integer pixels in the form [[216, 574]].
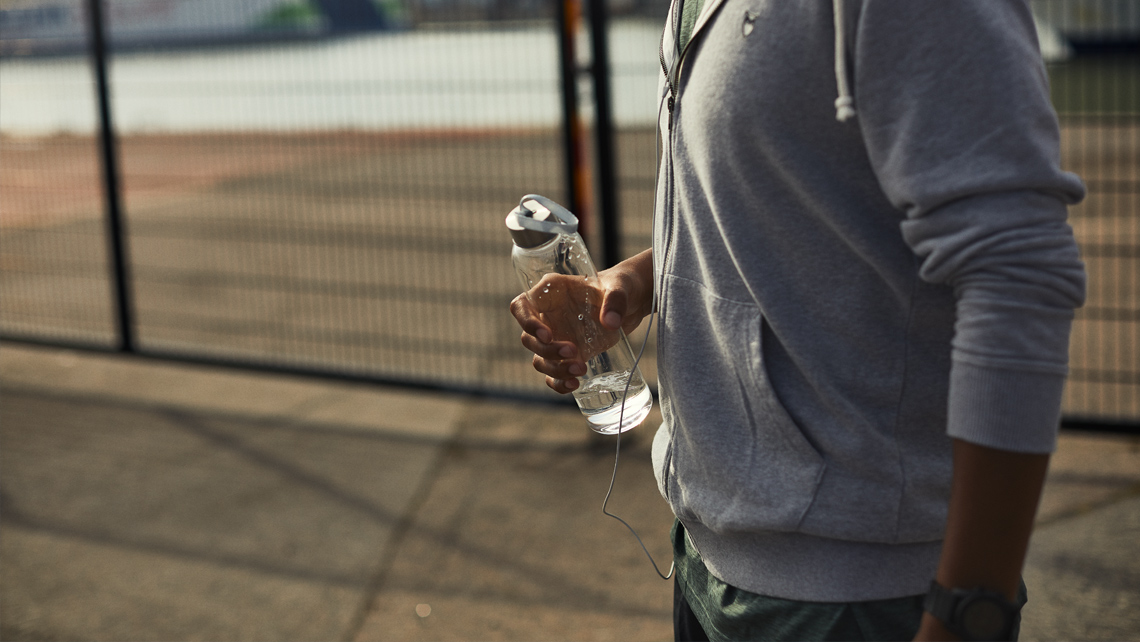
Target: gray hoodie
[[839, 298]]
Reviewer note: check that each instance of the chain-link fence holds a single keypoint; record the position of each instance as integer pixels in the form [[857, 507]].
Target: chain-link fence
[[303, 196], [1098, 97]]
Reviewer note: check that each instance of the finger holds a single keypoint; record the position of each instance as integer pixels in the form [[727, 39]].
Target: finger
[[562, 386], [528, 319], [614, 306], [559, 369], [554, 351]]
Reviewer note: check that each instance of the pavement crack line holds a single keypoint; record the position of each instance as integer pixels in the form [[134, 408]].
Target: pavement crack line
[[1088, 507], [400, 530]]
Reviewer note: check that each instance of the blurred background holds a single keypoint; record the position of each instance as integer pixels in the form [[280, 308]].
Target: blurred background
[[318, 188], [305, 185], [320, 185]]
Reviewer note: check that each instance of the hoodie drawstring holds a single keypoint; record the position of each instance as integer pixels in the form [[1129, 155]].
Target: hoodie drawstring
[[845, 104]]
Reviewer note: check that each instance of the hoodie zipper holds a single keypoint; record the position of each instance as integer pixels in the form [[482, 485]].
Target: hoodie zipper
[[673, 80], [669, 102]]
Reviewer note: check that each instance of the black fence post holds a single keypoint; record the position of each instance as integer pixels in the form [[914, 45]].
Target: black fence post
[[604, 136], [116, 230]]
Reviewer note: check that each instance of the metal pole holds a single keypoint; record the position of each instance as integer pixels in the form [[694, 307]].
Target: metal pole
[[604, 135], [573, 139], [116, 230]]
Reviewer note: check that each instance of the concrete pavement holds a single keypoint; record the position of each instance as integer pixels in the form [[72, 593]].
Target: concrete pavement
[[144, 500]]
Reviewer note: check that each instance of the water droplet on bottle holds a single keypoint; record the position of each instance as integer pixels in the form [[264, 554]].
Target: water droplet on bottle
[[545, 290], [580, 317], [589, 339]]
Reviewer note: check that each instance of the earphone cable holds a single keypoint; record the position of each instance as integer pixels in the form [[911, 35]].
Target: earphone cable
[[617, 458]]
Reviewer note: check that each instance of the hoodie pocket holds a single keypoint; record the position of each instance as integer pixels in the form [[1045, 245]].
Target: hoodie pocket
[[738, 461]]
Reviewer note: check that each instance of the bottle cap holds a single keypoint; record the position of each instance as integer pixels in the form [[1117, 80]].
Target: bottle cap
[[537, 220]]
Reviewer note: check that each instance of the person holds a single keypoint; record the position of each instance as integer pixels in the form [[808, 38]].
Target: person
[[864, 306]]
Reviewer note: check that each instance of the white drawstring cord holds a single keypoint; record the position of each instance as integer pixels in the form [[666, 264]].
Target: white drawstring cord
[[845, 104]]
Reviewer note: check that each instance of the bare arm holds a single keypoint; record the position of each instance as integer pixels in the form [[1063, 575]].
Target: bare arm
[[993, 502]]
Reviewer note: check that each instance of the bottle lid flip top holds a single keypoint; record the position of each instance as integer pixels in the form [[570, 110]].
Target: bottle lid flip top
[[537, 220]]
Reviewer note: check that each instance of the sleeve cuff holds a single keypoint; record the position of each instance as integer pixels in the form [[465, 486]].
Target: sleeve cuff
[[1005, 409]]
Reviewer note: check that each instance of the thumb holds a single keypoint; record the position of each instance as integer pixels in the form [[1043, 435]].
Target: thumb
[[614, 305]]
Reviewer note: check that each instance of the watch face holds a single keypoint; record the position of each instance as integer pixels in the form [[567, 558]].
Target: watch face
[[983, 619]]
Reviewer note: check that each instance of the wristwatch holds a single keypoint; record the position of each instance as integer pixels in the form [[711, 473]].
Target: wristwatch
[[975, 614]]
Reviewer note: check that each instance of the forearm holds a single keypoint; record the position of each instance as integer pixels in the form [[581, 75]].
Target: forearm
[[639, 266], [993, 503], [644, 263]]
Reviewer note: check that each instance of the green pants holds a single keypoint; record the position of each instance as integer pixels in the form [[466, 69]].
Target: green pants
[[707, 608]]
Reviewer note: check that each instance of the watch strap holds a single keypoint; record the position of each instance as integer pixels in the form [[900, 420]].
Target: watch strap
[[940, 603], [946, 605]]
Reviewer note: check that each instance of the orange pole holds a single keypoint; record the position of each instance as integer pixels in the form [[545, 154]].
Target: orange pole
[[579, 152]]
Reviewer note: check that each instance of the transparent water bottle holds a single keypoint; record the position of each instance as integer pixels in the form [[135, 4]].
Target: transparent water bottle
[[561, 282]]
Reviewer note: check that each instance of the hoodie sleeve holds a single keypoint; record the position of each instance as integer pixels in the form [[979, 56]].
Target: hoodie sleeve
[[953, 103]]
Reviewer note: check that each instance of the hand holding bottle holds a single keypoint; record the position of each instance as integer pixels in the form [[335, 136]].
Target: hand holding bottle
[[572, 318], [621, 298]]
